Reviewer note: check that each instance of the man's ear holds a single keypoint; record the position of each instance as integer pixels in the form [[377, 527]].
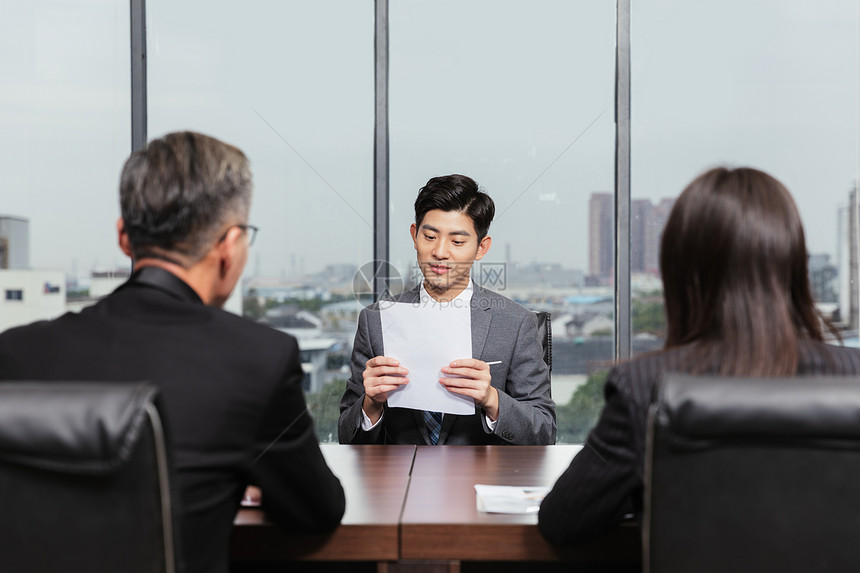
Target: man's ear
[[483, 247], [122, 238], [413, 230], [227, 250]]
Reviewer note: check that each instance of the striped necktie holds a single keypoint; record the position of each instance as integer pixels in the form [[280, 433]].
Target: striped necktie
[[434, 425]]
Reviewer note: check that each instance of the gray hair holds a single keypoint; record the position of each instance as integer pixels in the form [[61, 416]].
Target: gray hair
[[178, 193]]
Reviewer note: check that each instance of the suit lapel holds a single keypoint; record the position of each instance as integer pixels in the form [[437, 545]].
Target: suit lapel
[[481, 319]]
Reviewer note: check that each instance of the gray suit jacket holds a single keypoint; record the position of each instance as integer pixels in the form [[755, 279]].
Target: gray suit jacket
[[501, 330]]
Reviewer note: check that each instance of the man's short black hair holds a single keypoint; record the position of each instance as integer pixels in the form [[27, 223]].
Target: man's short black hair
[[456, 193]]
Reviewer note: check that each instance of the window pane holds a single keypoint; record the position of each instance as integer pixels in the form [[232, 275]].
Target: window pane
[[64, 116], [775, 89], [520, 98], [292, 86]]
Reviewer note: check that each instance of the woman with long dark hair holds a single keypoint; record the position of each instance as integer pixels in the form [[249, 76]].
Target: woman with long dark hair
[[738, 303]]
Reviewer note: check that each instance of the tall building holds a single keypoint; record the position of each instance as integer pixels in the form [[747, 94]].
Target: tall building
[[14, 243], [822, 278], [847, 261], [601, 230], [646, 229], [657, 217]]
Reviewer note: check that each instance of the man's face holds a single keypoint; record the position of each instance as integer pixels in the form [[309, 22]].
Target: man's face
[[447, 245]]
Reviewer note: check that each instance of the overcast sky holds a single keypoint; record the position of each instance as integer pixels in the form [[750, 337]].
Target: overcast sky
[[518, 95]]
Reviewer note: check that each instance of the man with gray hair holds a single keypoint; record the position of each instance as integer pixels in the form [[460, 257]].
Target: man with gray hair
[[232, 388]]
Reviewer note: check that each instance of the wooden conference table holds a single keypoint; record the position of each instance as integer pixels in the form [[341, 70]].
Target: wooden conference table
[[415, 503]]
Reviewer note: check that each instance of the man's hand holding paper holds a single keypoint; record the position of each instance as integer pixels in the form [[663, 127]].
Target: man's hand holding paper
[[471, 377], [426, 341], [381, 376]]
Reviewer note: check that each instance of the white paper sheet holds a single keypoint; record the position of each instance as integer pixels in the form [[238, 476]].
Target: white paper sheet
[[424, 338], [509, 499]]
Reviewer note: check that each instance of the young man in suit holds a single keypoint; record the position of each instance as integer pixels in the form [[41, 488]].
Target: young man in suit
[[513, 404], [232, 388]]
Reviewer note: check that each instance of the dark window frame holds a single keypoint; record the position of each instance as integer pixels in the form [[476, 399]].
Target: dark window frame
[[11, 292]]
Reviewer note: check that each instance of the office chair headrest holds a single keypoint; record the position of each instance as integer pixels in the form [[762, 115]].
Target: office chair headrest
[[769, 409], [86, 428]]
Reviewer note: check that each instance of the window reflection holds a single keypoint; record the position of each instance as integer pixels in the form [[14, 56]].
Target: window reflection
[[64, 118], [291, 84], [517, 95], [521, 101], [768, 84]]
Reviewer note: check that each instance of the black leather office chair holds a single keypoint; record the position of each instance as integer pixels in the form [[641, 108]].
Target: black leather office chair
[[545, 335], [84, 479], [753, 475]]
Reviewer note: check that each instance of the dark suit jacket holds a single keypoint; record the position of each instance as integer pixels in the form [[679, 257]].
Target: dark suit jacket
[[605, 480], [501, 330], [233, 398]]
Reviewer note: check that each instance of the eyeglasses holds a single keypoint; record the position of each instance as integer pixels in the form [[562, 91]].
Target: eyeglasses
[[250, 229]]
